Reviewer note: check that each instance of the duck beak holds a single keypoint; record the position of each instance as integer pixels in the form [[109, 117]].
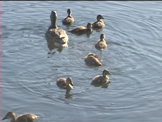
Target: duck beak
[[4, 118], [110, 73], [71, 86]]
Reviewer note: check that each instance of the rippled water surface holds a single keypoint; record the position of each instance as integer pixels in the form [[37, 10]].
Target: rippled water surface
[[30, 68]]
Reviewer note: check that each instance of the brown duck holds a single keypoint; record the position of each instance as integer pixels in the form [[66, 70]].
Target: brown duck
[[101, 44], [56, 35], [82, 30], [69, 19], [101, 79], [65, 83], [99, 23], [21, 118], [92, 60]]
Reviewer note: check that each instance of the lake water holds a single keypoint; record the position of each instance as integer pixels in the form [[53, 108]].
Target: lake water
[[30, 68]]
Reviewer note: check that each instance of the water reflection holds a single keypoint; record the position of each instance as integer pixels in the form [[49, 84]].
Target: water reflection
[[104, 85], [98, 29], [53, 49], [68, 95]]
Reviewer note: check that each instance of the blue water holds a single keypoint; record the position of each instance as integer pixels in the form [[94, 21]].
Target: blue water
[[30, 68]]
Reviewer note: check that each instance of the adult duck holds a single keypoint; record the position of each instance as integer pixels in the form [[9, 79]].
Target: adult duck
[[99, 23], [101, 44], [21, 118], [56, 35], [92, 60], [69, 19]]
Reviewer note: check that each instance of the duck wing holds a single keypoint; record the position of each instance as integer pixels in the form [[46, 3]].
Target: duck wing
[[27, 118]]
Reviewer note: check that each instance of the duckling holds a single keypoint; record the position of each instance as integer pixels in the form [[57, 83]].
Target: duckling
[[99, 23], [101, 44], [82, 30], [101, 80], [21, 118], [65, 83], [55, 34], [92, 60], [69, 19]]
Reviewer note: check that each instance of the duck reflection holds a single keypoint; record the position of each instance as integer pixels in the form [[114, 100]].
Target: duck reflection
[[52, 46], [68, 95], [104, 85], [98, 29]]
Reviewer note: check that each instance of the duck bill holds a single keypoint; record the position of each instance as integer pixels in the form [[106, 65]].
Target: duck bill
[[110, 73], [4, 118], [71, 86]]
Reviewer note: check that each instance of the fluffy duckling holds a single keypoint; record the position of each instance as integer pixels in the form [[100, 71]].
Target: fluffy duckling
[[69, 19], [99, 23], [101, 80], [101, 44], [65, 83], [21, 118], [92, 60], [82, 30], [55, 34]]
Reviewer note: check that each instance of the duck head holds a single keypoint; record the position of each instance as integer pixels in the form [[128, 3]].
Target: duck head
[[53, 17], [9, 115], [69, 83], [69, 12], [102, 36], [99, 17], [106, 72]]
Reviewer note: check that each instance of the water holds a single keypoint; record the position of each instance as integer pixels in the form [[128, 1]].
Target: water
[[29, 68]]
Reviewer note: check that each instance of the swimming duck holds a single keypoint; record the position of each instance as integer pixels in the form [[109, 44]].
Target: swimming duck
[[55, 34], [92, 60], [65, 83], [100, 80], [82, 30], [21, 118], [69, 19], [99, 23], [101, 44]]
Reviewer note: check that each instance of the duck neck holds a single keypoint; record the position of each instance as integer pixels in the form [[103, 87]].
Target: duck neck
[[13, 118], [99, 20], [105, 76], [54, 23], [89, 29], [102, 40], [69, 15]]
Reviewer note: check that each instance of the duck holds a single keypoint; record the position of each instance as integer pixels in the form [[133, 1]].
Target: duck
[[101, 44], [21, 118], [56, 35], [99, 23], [82, 30], [69, 19], [101, 79], [65, 83], [92, 60]]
